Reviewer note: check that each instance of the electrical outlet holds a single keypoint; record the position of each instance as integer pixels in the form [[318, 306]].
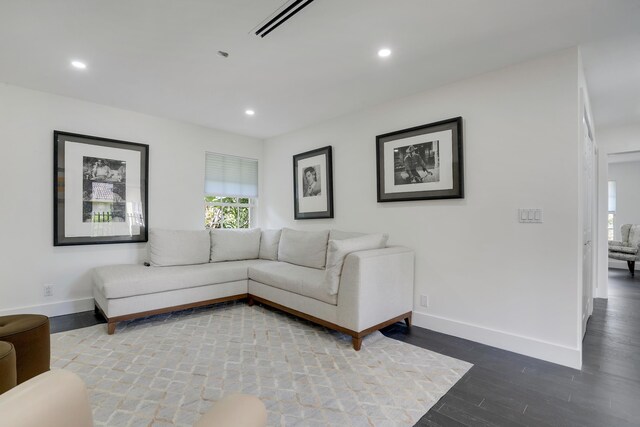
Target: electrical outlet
[[424, 300], [48, 290]]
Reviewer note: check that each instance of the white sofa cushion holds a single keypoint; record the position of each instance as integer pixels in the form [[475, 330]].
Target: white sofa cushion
[[234, 244], [305, 248], [178, 247], [339, 249], [341, 235], [269, 244], [121, 281], [305, 281]]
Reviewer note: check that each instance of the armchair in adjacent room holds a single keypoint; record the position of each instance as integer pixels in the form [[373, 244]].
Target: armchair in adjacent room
[[628, 248]]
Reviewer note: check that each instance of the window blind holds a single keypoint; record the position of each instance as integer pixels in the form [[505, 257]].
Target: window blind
[[612, 196], [230, 176]]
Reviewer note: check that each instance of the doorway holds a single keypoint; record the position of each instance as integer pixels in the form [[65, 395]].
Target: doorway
[[623, 206]]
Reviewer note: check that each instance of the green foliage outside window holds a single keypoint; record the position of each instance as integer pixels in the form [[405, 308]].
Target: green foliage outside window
[[227, 212]]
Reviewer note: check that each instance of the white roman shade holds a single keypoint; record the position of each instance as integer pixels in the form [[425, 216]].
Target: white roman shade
[[230, 176]]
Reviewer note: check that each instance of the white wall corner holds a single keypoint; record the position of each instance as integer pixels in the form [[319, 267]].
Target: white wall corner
[[53, 309], [532, 347]]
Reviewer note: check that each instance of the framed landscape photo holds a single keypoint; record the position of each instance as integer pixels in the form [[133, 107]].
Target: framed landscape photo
[[100, 190], [313, 184], [421, 163]]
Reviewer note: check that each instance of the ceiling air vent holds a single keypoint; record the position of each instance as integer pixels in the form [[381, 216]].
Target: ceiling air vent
[[280, 17]]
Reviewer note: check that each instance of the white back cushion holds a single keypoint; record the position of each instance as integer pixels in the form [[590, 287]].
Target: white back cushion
[[269, 244], [338, 251], [341, 235], [234, 244], [306, 248], [178, 247]]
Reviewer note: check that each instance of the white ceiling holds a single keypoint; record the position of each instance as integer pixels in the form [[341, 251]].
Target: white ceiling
[[159, 56]]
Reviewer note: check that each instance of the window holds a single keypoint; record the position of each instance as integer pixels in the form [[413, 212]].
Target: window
[[228, 212], [230, 191], [611, 187]]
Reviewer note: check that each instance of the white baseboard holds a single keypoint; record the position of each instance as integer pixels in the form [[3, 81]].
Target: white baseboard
[[555, 353], [53, 309]]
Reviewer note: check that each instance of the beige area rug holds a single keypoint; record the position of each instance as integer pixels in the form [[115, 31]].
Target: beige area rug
[[169, 369]]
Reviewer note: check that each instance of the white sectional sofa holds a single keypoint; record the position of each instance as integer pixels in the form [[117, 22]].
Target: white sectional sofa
[[349, 282]]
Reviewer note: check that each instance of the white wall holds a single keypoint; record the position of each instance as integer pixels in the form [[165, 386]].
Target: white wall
[[28, 259], [488, 277], [611, 140]]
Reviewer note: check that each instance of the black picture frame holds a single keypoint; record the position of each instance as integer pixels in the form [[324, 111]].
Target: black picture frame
[[436, 173], [100, 190], [313, 199]]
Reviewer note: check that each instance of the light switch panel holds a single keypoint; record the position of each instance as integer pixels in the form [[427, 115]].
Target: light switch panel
[[530, 215]]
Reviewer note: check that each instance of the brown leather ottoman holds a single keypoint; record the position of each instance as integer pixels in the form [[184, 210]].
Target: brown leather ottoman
[[7, 366], [29, 334]]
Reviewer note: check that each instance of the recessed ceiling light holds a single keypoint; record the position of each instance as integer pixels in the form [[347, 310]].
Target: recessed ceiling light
[[250, 112], [79, 65], [383, 53]]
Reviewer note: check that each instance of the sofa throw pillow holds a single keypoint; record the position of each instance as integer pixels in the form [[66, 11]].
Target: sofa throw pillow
[[305, 248], [338, 251], [341, 235], [269, 244], [178, 247], [234, 244]]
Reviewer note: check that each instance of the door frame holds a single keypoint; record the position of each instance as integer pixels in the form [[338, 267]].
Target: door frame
[[589, 190]]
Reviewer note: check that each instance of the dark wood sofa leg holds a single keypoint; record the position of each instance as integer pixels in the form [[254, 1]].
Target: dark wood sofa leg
[[357, 343], [632, 267], [111, 328], [407, 320]]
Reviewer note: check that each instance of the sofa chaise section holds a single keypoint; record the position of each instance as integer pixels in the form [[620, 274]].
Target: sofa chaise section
[[125, 292]]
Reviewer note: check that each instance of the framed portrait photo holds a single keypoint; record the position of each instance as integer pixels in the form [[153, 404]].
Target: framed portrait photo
[[421, 163], [100, 190], [313, 184]]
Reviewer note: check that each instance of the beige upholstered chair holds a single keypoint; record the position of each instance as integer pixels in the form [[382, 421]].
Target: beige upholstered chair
[[59, 399], [52, 399], [628, 248]]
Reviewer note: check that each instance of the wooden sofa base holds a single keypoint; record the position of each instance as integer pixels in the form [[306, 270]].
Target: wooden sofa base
[[111, 321], [356, 337]]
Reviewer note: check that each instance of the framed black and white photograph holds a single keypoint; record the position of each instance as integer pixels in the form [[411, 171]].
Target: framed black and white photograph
[[100, 190], [421, 163], [313, 184]]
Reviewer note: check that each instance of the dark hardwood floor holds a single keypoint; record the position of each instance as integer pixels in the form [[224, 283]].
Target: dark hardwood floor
[[75, 321], [508, 389], [505, 389]]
